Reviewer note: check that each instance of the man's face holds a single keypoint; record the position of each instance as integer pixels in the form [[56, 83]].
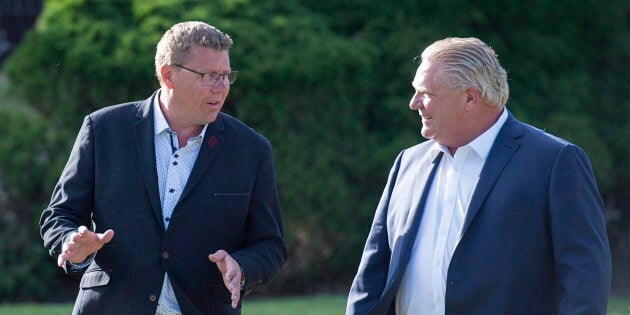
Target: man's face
[[194, 103], [440, 108]]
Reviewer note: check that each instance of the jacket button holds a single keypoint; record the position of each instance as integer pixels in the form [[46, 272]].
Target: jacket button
[[152, 297], [165, 255]]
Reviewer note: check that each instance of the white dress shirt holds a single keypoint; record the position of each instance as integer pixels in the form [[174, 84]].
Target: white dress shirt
[[423, 286], [174, 165]]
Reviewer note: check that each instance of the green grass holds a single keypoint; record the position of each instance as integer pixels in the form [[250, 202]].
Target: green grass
[[618, 306], [36, 309], [312, 305]]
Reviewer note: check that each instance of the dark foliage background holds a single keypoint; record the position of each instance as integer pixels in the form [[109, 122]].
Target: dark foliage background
[[328, 83]]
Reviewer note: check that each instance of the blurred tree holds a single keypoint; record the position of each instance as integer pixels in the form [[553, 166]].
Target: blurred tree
[[31, 160]]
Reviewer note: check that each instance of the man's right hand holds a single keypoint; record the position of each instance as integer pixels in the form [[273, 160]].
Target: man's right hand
[[83, 244]]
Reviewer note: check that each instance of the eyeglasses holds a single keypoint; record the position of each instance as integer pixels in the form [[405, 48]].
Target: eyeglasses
[[211, 78]]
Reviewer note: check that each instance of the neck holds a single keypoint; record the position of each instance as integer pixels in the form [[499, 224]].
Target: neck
[[184, 132], [477, 126]]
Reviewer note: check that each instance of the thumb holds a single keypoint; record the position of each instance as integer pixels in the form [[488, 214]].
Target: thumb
[[218, 256], [106, 237], [61, 260]]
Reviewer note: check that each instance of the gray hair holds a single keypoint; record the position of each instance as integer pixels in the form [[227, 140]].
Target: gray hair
[[174, 46], [466, 62]]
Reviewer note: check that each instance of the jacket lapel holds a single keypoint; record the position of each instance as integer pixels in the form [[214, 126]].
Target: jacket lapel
[[143, 131], [505, 145], [212, 143], [402, 249]]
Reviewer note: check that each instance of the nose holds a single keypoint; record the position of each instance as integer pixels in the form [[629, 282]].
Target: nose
[[416, 101]]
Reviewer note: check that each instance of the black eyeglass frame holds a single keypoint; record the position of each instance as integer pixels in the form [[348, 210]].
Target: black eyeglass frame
[[231, 76]]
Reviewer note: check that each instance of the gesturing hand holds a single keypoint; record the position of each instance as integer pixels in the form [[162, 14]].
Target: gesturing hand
[[231, 272], [82, 244]]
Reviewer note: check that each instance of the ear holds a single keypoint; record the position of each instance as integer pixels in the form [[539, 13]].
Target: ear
[[166, 72], [473, 98]]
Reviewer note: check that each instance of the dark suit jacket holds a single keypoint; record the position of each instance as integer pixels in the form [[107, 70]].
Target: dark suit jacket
[[534, 238], [230, 202]]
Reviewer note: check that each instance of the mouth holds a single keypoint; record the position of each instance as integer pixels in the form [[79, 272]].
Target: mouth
[[213, 104]]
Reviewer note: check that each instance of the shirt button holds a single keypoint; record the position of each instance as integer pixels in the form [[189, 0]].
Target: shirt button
[[166, 255], [175, 163], [167, 219], [171, 190], [152, 297], [175, 156]]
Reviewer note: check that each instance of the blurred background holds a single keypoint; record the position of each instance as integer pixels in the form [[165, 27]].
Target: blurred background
[[327, 82]]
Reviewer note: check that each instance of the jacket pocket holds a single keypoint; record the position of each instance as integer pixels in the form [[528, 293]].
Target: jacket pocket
[[226, 195], [95, 278]]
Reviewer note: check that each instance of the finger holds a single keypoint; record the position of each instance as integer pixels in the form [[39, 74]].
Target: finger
[[61, 260], [83, 230], [218, 256], [228, 280], [106, 237], [68, 248], [75, 237], [235, 298], [233, 283], [81, 235], [230, 275]]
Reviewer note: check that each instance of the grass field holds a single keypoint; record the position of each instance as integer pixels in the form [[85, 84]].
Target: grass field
[[313, 305]]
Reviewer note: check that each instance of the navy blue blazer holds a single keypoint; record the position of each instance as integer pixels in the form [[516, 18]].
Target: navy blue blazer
[[230, 202], [534, 238]]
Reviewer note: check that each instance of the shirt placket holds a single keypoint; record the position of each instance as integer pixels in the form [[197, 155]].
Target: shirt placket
[[446, 195]]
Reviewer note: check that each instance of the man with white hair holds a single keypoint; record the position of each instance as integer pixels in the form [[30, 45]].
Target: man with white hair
[[490, 215]]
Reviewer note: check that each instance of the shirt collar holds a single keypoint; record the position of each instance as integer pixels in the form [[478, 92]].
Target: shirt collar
[[483, 143], [160, 123]]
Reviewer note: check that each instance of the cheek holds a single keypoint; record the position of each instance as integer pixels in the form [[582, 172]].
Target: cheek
[[430, 105]]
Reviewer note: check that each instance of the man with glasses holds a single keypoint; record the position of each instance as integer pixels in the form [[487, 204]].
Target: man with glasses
[[167, 205]]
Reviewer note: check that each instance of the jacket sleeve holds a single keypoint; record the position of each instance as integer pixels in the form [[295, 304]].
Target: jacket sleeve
[[371, 277], [580, 244], [72, 198], [266, 251]]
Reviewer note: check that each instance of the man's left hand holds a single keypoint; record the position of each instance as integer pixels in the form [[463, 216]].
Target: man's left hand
[[231, 272]]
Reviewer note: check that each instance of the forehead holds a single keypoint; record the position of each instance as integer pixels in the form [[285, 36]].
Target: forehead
[[208, 57], [425, 76]]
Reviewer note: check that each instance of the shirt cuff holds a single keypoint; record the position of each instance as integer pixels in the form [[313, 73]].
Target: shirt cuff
[[242, 278], [82, 265]]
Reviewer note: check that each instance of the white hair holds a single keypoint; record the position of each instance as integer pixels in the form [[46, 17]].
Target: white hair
[[469, 62]]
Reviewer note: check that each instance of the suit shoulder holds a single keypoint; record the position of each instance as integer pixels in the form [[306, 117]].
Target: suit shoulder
[[243, 131], [116, 112], [540, 137]]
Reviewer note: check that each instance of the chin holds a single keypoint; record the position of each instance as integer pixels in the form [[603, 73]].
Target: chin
[[208, 119]]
